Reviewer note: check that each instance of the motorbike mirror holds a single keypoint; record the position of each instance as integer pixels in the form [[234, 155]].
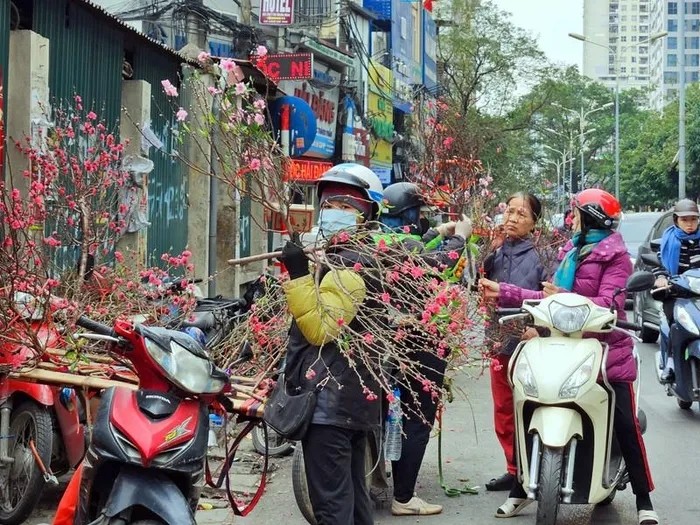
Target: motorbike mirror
[[655, 245], [651, 259], [640, 281]]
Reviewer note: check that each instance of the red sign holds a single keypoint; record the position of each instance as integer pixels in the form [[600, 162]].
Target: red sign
[[276, 12], [305, 170], [288, 66]]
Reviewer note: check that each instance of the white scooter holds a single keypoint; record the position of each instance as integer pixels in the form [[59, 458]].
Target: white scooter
[[564, 404]]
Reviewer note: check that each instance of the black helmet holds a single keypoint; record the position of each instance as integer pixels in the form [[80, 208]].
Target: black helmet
[[400, 197], [685, 208]]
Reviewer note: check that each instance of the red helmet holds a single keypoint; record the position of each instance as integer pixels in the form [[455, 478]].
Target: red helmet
[[602, 209]]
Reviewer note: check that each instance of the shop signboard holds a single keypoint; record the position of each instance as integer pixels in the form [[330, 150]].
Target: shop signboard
[[288, 66], [381, 111], [302, 170], [321, 93], [276, 12]]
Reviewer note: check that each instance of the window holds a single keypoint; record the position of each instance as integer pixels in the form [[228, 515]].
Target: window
[[633, 70], [623, 18], [672, 42], [634, 18], [693, 76], [634, 38], [623, 29], [671, 77], [672, 26], [692, 60], [695, 8], [673, 8], [623, 49], [612, 40], [643, 70], [623, 39], [672, 60], [643, 60], [643, 50], [634, 60], [623, 7], [692, 43], [644, 29]]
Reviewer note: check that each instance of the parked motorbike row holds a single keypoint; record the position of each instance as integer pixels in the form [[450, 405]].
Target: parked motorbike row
[[143, 454]]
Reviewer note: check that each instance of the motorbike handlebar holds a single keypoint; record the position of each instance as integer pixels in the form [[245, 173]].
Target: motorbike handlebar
[[508, 311], [628, 326], [94, 326]]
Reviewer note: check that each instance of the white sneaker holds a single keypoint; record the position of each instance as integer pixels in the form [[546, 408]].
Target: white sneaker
[[414, 507]]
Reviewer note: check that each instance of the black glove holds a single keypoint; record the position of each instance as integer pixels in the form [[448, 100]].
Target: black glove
[[295, 260]]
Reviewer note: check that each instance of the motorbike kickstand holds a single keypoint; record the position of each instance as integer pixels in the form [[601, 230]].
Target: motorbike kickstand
[[48, 475]]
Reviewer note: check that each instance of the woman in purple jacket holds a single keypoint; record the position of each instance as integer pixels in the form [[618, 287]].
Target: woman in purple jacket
[[594, 264]]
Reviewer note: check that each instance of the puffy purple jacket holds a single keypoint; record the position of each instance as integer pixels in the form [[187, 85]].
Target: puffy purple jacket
[[606, 268]]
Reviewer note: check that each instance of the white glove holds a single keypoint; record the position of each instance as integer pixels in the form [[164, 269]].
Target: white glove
[[463, 227], [446, 229]]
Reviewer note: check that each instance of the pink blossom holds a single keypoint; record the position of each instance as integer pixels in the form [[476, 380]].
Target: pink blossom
[[240, 89], [368, 338], [502, 207], [406, 229], [261, 51], [417, 272], [254, 164], [447, 143], [203, 57], [453, 255], [310, 373], [168, 88], [341, 321], [227, 65], [260, 104], [381, 245], [386, 298], [259, 119], [214, 90], [357, 267], [91, 115], [181, 115], [343, 237]]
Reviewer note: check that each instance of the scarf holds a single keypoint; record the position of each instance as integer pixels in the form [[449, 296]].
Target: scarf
[[671, 246], [566, 273]]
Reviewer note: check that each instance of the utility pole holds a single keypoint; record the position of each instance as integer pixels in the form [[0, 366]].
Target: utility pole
[[681, 99]]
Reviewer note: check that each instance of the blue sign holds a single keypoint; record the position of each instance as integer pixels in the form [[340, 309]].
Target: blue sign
[[381, 8], [302, 123], [403, 61], [429, 53]]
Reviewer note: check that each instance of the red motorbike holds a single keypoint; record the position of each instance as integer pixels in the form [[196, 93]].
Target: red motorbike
[[146, 461], [42, 430]]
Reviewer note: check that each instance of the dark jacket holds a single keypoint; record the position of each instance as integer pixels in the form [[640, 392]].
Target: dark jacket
[[343, 401], [516, 262]]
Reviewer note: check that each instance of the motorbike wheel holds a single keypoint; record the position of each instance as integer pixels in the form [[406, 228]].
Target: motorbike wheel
[[607, 501], [549, 492], [25, 481], [685, 405], [277, 446], [301, 489]]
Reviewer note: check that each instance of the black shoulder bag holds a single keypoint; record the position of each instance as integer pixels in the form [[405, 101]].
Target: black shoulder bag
[[290, 414]]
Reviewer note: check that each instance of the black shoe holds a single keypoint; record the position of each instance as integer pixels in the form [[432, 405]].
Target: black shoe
[[668, 377], [505, 482]]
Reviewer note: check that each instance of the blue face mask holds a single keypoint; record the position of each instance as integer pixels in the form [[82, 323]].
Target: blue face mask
[[332, 221]]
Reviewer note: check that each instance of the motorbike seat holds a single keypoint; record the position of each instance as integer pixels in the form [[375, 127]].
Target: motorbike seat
[[203, 320]]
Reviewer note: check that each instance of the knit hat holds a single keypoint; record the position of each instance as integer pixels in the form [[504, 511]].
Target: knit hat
[[347, 194]]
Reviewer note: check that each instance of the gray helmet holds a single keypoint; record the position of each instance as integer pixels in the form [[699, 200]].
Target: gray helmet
[[685, 208]]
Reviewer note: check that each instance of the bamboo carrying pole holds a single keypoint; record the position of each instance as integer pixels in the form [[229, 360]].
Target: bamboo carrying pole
[[254, 258], [52, 377]]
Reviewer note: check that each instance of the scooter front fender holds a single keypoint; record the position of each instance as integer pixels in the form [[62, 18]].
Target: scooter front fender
[[42, 394], [556, 425], [150, 489]]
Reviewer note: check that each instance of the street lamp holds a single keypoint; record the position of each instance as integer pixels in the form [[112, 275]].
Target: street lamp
[[649, 40], [564, 155], [582, 128]]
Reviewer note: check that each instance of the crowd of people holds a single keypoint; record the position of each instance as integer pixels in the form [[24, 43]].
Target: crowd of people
[[592, 264]]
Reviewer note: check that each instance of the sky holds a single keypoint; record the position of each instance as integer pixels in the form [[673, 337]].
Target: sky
[[550, 22]]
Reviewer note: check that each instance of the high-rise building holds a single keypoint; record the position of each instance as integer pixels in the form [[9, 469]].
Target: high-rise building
[[664, 57], [616, 46]]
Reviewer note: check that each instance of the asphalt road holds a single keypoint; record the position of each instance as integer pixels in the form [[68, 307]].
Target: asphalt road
[[471, 452]]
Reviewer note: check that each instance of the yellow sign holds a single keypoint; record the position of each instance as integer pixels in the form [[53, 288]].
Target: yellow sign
[[381, 114]]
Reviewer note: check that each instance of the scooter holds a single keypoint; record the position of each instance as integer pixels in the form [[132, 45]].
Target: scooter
[[683, 334], [146, 461], [42, 429], [564, 405]]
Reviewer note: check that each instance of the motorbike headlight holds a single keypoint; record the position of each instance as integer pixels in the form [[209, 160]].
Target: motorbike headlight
[[685, 320], [186, 370], [523, 373], [694, 284], [568, 319], [577, 379]]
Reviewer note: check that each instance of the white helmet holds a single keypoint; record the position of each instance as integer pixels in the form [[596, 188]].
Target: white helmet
[[358, 176]]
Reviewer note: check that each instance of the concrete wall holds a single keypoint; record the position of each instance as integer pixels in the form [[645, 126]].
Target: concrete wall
[[135, 114], [27, 97]]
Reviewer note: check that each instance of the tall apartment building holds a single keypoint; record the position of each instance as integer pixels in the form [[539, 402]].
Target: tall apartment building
[[617, 33], [664, 52]]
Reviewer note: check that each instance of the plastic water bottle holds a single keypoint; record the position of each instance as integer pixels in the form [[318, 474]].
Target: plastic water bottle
[[216, 422], [394, 422]]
